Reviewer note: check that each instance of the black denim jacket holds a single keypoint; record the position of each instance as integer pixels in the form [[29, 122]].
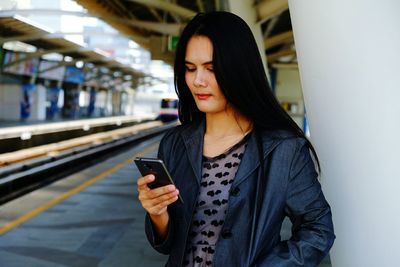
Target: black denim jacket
[[250, 235]]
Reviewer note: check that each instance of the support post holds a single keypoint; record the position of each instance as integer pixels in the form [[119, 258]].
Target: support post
[[349, 70]]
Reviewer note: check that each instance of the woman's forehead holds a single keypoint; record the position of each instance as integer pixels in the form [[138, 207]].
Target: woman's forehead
[[199, 49]]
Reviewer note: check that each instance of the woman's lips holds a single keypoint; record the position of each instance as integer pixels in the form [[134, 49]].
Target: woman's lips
[[203, 96]]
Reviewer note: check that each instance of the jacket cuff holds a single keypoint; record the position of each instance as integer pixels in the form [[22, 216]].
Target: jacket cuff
[[161, 245]]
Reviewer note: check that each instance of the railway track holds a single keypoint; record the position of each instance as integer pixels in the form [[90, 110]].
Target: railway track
[[29, 169]]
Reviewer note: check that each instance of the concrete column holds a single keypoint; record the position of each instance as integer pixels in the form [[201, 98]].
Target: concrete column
[[348, 53], [246, 10], [10, 98], [38, 108]]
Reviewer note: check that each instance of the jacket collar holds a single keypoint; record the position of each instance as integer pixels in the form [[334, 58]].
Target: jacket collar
[[193, 138], [250, 160]]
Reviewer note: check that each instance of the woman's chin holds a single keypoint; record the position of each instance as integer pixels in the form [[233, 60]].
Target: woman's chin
[[203, 107], [211, 108]]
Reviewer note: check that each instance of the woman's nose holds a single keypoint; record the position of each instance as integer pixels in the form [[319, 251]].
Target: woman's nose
[[199, 79]]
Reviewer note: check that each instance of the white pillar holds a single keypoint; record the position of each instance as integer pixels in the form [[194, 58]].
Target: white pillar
[[348, 53], [246, 10], [38, 106]]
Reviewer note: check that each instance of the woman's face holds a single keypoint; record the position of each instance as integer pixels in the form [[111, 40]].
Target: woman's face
[[200, 76]]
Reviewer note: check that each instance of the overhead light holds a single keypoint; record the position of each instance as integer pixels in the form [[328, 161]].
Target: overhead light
[[68, 59], [286, 59], [79, 64], [19, 47], [53, 57], [135, 53], [133, 44], [104, 70]]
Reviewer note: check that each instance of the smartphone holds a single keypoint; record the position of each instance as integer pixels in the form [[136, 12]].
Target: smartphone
[[156, 167]]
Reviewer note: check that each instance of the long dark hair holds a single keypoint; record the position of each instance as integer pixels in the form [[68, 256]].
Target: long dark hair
[[238, 70]]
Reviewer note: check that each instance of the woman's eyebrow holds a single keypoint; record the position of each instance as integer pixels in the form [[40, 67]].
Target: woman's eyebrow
[[205, 63]]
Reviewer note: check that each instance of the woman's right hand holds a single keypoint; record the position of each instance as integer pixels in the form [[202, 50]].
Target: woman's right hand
[[155, 201]]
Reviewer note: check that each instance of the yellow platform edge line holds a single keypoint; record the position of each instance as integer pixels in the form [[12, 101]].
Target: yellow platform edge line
[[9, 226]]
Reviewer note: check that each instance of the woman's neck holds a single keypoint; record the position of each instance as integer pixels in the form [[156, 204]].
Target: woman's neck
[[223, 130], [227, 123]]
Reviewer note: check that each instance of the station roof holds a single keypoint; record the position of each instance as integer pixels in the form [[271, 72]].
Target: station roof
[[18, 28], [142, 19], [146, 22]]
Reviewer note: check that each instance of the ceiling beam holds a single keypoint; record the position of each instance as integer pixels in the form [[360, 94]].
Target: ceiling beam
[[155, 13], [40, 11], [275, 56], [175, 16], [35, 36], [38, 54], [270, 26], [217, 5], [285, 65], [163, 28], [100, 10], [63, 63], [281, 38], [69, 63], [200, 4], [24, 37], [270, 8], [122, 8], [90, 33], [166, 6]]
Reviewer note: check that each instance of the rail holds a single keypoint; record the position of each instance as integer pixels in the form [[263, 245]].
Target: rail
[[61, 160]]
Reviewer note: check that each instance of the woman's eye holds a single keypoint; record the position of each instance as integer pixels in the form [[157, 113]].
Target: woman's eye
[[210, 69], [190, 69]]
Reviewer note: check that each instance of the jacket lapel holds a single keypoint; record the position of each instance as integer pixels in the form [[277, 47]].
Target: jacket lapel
[[193, 138], [250, 160]]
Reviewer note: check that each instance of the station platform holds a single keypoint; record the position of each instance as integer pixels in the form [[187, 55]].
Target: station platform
[[19, 135], [92, 218], [25, 129]]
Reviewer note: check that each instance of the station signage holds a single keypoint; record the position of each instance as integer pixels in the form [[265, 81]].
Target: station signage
[[172, 42]]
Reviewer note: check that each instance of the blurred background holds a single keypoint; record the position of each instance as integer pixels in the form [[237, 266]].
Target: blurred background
[[87, 85], [67, 59]]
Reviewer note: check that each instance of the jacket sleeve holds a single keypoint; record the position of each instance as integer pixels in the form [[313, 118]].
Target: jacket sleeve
[[310, 214], [162, 246]]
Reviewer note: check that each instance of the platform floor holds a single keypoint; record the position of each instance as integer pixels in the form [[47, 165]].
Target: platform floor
[[92, 218], [11, 129]]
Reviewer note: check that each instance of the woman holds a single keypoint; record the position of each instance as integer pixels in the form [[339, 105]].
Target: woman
[[238, 160]]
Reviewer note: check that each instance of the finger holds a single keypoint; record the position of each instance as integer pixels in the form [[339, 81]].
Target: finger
[[142, 182], [157, 192], [159, 207], [149, 203]]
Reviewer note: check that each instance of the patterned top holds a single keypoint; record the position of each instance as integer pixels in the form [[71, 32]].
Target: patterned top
[[212, 203]]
